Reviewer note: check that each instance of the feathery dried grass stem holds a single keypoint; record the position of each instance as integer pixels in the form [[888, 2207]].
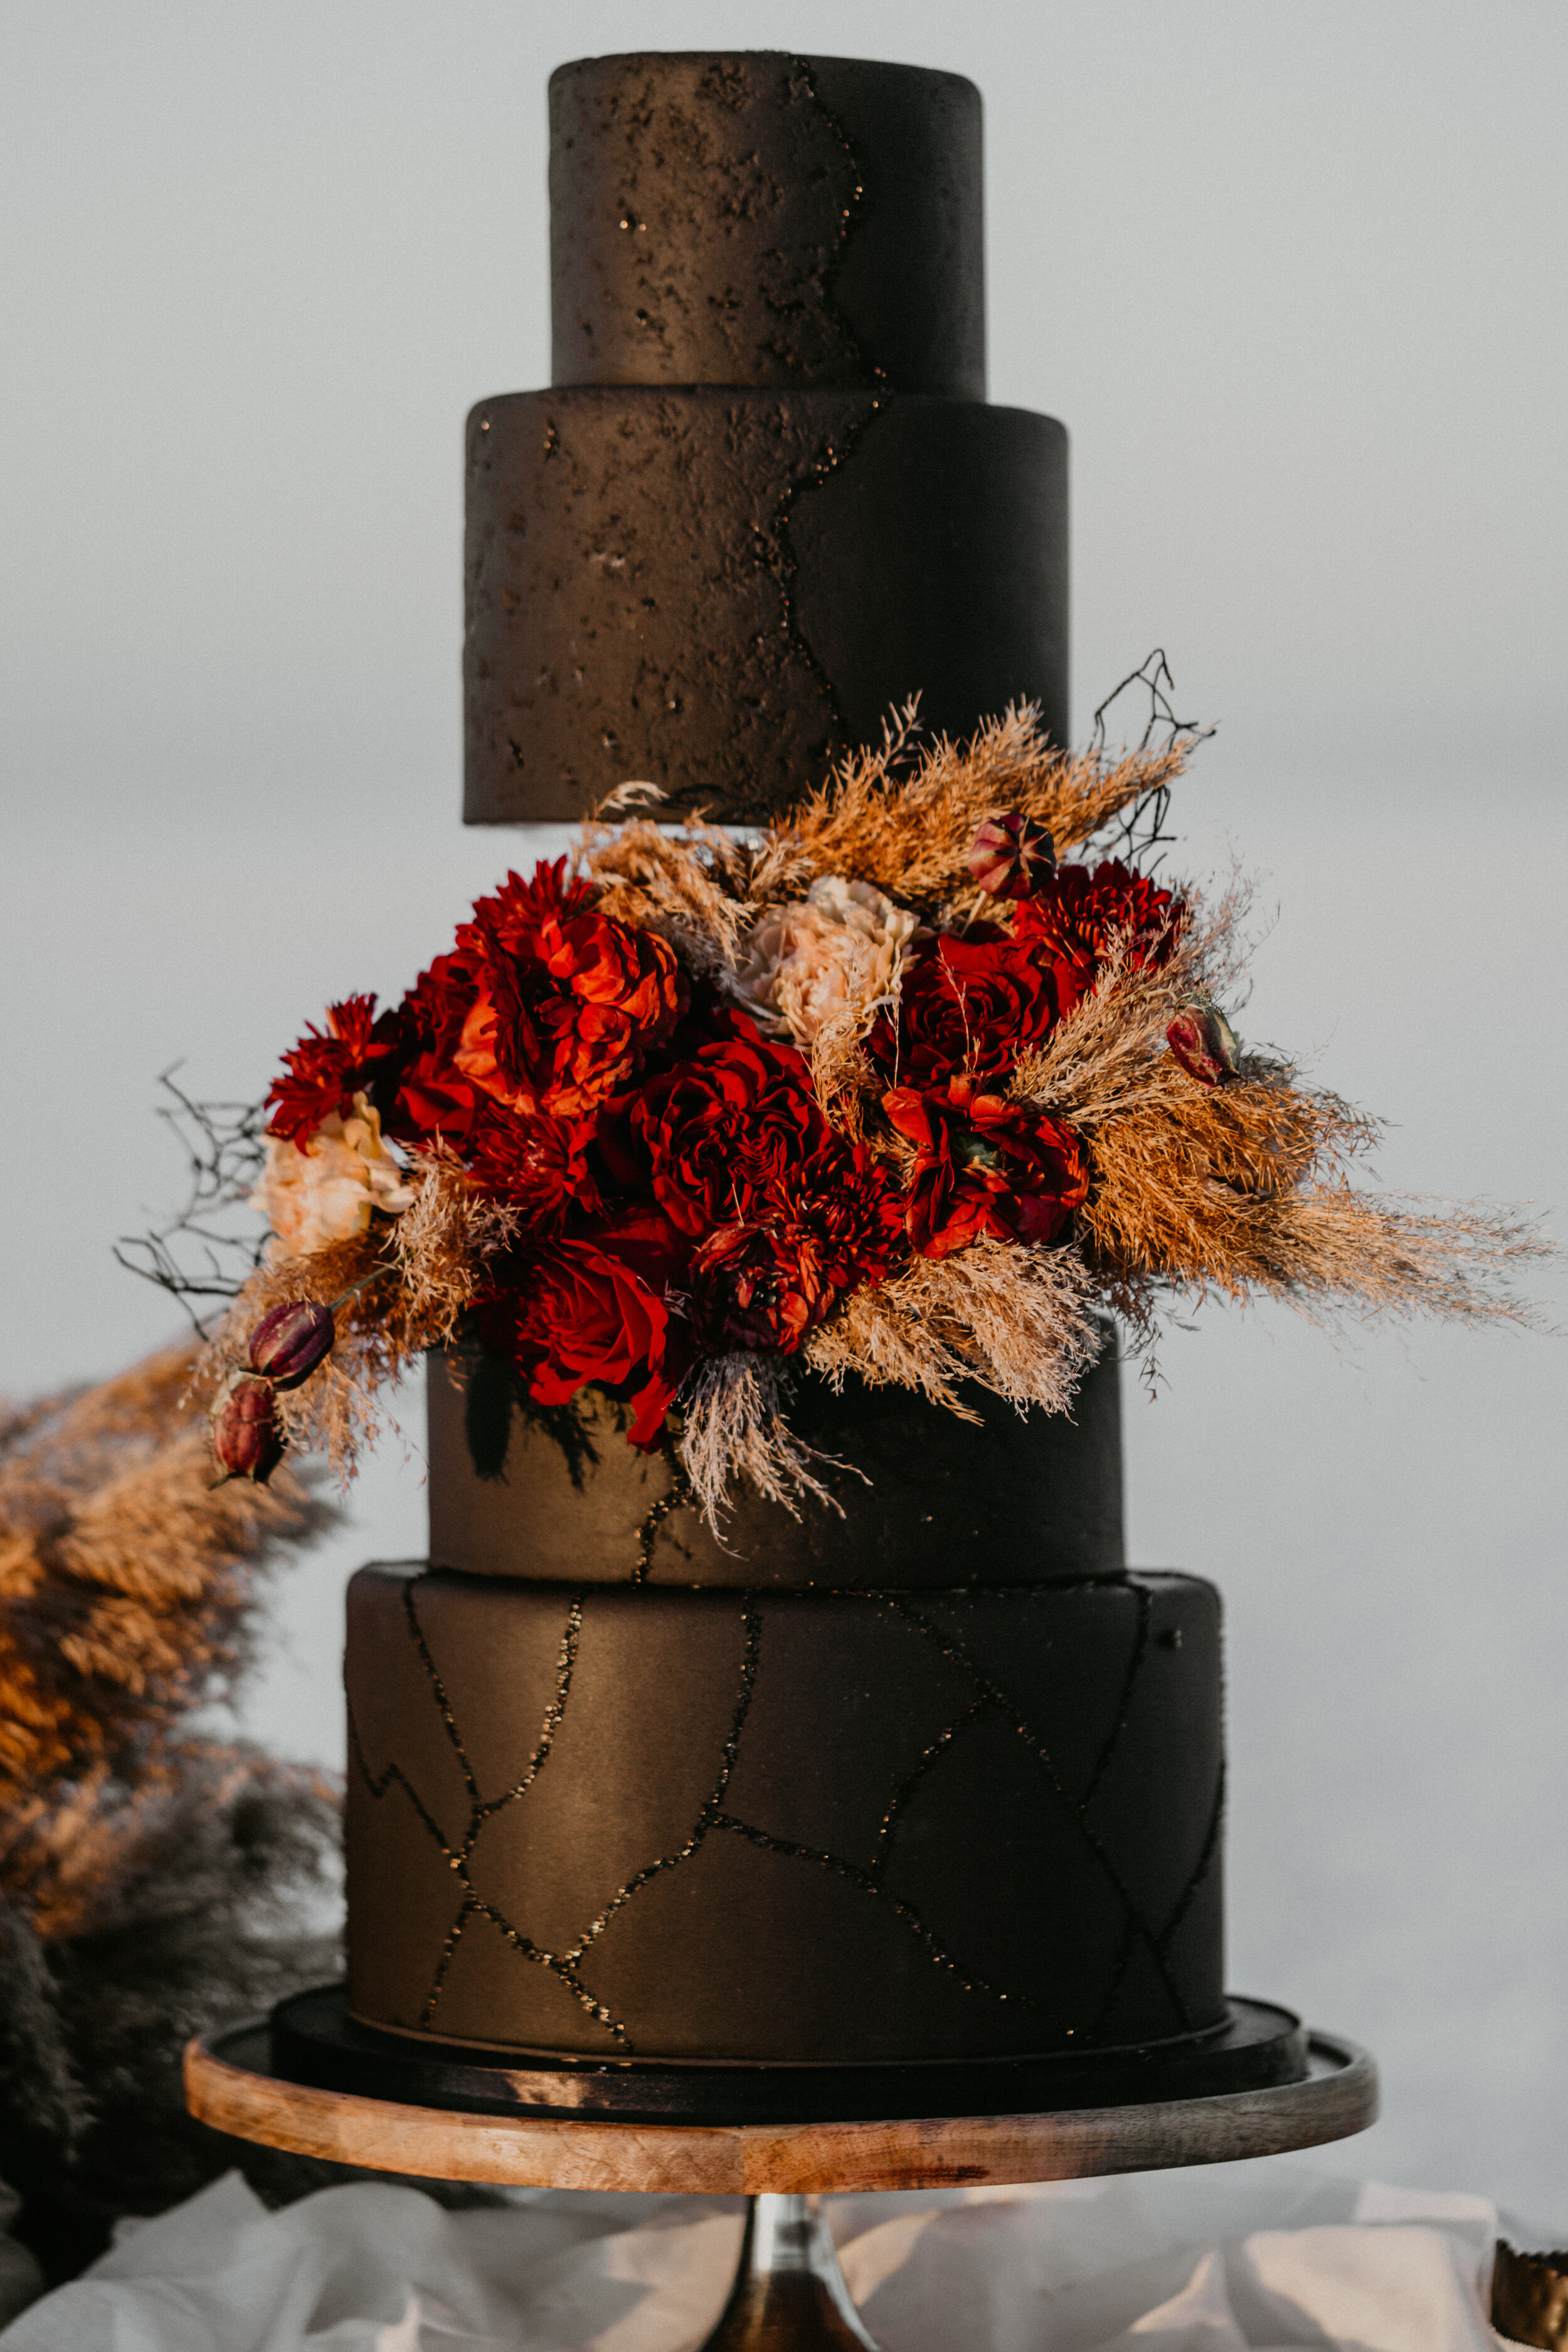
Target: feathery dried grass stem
[[1017, 1322], [734, 1425], [910, 833]]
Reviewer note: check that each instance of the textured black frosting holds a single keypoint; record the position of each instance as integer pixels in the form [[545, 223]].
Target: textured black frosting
[[759, 218], [766, 501], [792, 1827], [714, 591], [924, 1499]]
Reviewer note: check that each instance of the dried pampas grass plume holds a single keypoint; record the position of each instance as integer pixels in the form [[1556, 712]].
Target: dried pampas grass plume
[[898, 815], [1017, 1322], [1245, 1188], [692, 888], [153, 1882], [123, 1575], [906, 823], [733, 1412]]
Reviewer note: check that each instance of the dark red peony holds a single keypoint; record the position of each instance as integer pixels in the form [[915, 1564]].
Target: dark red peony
[[767, 1279], [985, 1165], [543, 1006], [359, 1051], [598, 1310], [1074, 916], [737, 1121], [969, 1005]]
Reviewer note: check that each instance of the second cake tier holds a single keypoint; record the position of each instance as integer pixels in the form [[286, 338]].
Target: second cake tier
[[715, 590]]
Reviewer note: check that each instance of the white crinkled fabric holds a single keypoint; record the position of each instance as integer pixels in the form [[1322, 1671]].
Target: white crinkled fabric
[[1234, 2259]]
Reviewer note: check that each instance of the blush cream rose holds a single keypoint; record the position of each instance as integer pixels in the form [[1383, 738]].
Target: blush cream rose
[[330, 1190], [835, 956]]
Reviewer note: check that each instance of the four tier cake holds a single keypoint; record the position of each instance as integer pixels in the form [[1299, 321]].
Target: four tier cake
[[917, 1769]]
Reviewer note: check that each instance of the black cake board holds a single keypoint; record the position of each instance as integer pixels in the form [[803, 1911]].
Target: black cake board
[[314, 2041]]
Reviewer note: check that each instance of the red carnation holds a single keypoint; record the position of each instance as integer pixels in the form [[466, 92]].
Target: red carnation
[[538, 1166], [596, 1310], [970, 1005], [1074, 916], [983, 1164], [359, 1051], [768, 1278], [544, 1005], [737, 1120]]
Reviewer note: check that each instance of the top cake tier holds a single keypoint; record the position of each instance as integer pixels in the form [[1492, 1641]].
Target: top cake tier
[[760, 219]]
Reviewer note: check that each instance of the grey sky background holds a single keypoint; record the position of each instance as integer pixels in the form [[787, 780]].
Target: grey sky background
[[1294, 278]]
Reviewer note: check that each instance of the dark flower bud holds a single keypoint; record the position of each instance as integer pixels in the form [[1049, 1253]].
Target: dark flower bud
[[1012, 855], [289, 1343], [1203, 1043], [247, 1440]]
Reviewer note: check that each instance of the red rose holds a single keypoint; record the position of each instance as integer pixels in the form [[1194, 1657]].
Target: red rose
[[768, 1279], [737, 1121], [359, 1051], [970, 1005], [1074, 916], [544, 1005], [983, 1164], [577, 1312]]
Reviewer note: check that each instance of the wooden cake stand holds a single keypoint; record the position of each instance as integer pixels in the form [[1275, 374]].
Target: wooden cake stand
[[789, 2293]]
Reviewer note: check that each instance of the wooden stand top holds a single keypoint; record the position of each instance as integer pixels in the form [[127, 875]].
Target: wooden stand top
[[229, 2084]]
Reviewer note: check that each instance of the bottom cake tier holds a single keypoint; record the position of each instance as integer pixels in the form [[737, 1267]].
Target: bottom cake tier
[[790, 1828]]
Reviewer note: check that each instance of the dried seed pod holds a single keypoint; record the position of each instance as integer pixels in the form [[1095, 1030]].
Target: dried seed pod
[[289, 1343], [1203, 1043], [1011, 856], [247, 1440]]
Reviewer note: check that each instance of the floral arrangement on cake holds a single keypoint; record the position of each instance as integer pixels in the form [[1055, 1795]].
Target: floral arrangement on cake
[[906, 1087]]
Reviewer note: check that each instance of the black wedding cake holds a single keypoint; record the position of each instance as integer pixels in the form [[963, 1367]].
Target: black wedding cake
[[923, 1778]]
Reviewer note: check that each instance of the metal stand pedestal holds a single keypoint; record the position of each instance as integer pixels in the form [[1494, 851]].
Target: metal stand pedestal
[[789, 2293]]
